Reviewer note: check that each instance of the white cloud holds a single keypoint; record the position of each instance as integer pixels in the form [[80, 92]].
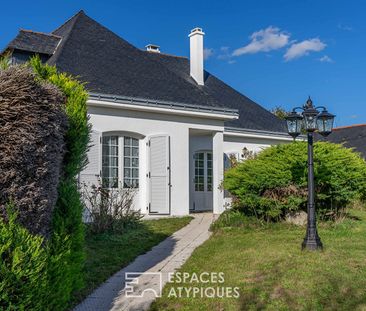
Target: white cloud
[[303, 48], [207, 53], [224, 53], [264, 40], [326, 59]]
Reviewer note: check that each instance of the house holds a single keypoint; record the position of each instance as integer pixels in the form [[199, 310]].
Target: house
[[161, 123], [353, 136]]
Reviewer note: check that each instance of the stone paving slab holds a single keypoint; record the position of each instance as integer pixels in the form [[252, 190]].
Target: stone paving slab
[[162, 259]]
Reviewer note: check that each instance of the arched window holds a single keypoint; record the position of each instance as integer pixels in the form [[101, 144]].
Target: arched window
[[120, 161]]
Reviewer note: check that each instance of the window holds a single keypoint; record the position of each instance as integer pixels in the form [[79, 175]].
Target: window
[[131, 163], [110, 161], [209, 171], [203, 171], [199, 174], [120, 162]]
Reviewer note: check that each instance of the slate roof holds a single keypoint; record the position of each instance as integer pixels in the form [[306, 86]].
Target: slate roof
[[252, 115], [110, 65], [36, 42], [353, 136]]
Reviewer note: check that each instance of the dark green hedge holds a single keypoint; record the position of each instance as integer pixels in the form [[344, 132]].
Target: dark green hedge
[[275, 181]]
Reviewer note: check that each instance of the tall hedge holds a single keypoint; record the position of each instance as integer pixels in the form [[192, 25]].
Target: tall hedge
[[275, 181], [67, 218], [33, 124], [38, 273]]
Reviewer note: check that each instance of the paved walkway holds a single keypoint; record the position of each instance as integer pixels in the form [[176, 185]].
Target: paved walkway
[[164, 258]]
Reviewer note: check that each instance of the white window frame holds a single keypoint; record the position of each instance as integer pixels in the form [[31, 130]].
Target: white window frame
[[121, 158], [205, 171]]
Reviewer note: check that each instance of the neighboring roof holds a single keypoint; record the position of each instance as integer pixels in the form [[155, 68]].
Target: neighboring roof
[[36, 42], [110, 65], [353, 136]]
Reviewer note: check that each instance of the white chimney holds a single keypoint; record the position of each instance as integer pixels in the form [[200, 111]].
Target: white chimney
[[153, 48], [196, 55]]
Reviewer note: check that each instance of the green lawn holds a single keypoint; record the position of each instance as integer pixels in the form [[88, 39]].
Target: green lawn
[[107, 253], [272, 273]]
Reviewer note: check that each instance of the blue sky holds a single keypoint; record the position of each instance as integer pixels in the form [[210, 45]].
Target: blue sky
[[275, 52]]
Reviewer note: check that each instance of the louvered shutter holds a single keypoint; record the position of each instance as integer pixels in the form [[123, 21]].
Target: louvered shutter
[[91, 173], [159, 175]]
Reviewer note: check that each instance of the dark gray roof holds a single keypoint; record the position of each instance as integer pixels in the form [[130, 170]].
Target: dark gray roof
[[36, 42], [353, 136], [110, 65], [252, 115]]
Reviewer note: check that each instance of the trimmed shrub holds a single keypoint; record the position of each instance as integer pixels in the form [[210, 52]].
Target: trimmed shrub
[[33, 124], [67, 218], [275, 181]]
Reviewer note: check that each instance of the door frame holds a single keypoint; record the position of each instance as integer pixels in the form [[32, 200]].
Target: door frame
[[148, 177]]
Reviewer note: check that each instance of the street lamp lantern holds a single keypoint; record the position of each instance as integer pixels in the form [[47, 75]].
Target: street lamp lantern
[[310, 116], [325, 122], [294, 124], [311, 120]]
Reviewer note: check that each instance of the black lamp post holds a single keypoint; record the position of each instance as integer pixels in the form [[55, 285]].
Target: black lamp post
[[310, 120]]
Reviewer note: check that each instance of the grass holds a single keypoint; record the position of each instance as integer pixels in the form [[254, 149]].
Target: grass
[[108, 253], [272, 273]]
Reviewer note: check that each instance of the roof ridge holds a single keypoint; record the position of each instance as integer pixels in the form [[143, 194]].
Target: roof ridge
[[64, 23], [349, 126], [41, 33], [64, 39]]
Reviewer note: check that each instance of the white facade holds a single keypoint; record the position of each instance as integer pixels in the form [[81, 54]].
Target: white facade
[[180, 153]]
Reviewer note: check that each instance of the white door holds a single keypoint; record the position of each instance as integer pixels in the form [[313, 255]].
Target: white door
[[202, 181], [159, 174]]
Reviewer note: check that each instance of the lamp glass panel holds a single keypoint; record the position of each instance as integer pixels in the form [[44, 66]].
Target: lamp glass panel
[[291, 126], [310, 122], [299, 125], [329, 124], [325, 125]]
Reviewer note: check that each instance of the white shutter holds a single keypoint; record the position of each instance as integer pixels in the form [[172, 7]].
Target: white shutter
[[91, 173], [159, 174]]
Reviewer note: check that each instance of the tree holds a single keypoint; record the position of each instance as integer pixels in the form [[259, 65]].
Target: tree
[[279, 112]]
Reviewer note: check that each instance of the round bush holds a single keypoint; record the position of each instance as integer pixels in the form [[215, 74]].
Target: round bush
[[274, 182]]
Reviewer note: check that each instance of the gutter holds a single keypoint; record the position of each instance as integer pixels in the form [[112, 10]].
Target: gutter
[[132, 103], [242, 132]]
